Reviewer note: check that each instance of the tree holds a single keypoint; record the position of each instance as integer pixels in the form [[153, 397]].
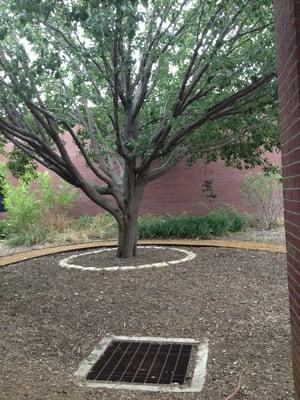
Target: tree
[[138, 85]]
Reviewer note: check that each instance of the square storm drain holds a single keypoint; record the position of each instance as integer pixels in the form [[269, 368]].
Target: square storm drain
[[149, 364]]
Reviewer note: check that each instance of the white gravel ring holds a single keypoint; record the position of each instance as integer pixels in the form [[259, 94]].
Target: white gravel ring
[[189, 255]]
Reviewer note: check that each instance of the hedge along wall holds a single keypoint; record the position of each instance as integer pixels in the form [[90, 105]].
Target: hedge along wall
[[181, 190], [287, 15]]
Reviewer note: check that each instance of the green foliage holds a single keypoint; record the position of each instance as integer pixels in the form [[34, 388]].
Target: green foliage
[[84, 221], [4, 228], [264, 194], [95, 227], [238, 221], [219, 222], [146, 82], [216, 223], [207, 188], [55, 200], [33, 205], [66, 49], [20, 164], [35, 234], [173, 227], [23, 207]]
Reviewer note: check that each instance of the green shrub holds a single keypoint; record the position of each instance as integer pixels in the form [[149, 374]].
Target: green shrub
[[216, 223], [55, 199], [23, 208], [4, 228], [264, 194], [35, 234], [219, 222], [238, 222], [34, 207]]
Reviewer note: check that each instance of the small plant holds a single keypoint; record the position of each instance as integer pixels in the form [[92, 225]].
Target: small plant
[[238, 221], [84, 221], [207, 188], [264, 195], [219, 222], [4, 228], [35, 234]]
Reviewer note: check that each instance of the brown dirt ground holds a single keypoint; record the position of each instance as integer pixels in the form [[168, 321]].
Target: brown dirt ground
[[51, 318]]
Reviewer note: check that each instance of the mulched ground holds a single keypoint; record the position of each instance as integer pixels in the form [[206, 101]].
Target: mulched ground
[[108, 259], [51, 318]]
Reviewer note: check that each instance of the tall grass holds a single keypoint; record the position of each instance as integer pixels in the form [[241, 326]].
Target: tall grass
[[216, 223]]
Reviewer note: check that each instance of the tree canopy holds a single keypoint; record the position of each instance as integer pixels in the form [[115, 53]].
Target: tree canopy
[[138, 85]]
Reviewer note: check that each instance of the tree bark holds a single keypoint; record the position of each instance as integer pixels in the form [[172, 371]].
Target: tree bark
[[128, 235]]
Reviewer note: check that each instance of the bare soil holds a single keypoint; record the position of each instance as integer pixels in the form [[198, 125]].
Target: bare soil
[[51, 318]]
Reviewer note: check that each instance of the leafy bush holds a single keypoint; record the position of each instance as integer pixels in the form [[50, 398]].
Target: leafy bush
[[219, 222], [35, 207], [216, 223], [55, 200], [238, 222], [23, 208], [264, 194], [4, 227], [35, 234]]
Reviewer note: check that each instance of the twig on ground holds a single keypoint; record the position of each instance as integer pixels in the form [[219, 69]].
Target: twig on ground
[[231, 396]]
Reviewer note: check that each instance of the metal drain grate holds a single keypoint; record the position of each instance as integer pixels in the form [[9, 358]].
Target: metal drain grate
[[143, 363], [153, 364]]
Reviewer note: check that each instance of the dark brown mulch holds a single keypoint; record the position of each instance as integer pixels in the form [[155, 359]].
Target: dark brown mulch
[[51, 318], [108, 259]]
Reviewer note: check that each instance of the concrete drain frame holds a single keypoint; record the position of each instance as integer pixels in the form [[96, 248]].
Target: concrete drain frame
[[197, 365]]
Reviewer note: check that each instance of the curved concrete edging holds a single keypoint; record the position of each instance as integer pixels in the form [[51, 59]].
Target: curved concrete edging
[[234, 244]]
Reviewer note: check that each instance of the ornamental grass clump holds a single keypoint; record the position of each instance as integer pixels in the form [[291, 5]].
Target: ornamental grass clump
[[216, 223]]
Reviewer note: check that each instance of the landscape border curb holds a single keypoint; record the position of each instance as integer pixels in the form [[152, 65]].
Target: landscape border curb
[[233, 244]]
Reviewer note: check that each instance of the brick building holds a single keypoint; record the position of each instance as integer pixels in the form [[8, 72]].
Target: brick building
[[179, 191], [287, 15]]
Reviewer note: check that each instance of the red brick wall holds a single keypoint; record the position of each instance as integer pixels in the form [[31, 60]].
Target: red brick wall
[[287, 15], [180, 191]]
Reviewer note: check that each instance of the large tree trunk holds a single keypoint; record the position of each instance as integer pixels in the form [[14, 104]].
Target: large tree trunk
[[127, 237], [128, 234]]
